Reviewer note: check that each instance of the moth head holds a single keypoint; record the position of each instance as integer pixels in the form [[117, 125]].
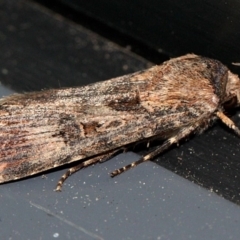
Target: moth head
[[233, 89]]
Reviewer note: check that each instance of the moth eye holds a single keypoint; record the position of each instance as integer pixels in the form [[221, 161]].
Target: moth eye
[[231, 103]]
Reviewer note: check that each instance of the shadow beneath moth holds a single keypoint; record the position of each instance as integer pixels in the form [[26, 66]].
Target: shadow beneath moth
[[46, 129]]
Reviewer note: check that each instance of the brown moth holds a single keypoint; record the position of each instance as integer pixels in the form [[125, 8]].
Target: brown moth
[[46, 129]]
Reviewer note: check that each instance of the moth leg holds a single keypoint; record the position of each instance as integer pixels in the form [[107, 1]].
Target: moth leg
[[112, 154], [174, 139], [228, 122], [86, 163]]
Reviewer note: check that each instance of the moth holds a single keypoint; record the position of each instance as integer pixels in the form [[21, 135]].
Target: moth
[[46, 129]]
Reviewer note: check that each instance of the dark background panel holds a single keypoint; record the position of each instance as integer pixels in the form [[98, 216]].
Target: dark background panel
[[57, 53], [209, 28]]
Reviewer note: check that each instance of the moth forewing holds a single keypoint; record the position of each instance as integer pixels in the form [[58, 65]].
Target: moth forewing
[[46, 129]]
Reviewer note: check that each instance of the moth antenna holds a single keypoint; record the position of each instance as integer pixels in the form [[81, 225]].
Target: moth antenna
[[236, 64], [180, 135]]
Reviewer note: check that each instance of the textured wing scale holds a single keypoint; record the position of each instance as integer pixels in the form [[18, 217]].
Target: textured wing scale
[[42, 130]]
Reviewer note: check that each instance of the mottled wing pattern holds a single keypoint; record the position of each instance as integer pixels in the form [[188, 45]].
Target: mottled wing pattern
[[46, 129]]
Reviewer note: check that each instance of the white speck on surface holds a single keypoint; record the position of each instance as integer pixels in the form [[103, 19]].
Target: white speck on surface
[[56, 235]]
